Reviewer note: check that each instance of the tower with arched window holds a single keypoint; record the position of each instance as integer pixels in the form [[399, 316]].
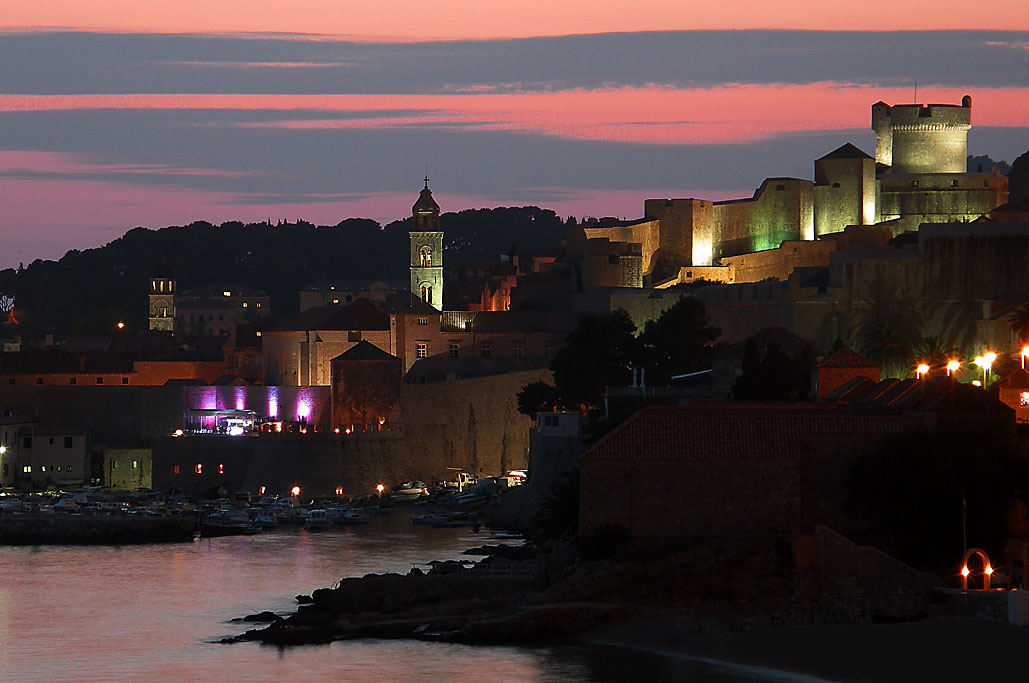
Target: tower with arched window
[[162, 299], [427, 250]]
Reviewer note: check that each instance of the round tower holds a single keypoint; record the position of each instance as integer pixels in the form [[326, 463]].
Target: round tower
[[162, 298], [922, 138], [427, 250]]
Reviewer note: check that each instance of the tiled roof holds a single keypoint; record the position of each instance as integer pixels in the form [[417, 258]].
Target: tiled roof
[[847, 151], [738, 431], [847, 358]]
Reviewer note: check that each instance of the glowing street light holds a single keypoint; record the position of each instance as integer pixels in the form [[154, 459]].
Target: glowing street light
[[295, 491], [921, 371], [985, 361], [380, 488], [1023, 353], [953, 366]]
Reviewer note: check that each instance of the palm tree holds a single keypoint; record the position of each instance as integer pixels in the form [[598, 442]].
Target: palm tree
[[933, 352], [887, 344], [1019, 320]]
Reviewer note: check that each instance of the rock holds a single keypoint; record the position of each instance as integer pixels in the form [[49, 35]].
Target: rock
[[262, 617], [304, 599]]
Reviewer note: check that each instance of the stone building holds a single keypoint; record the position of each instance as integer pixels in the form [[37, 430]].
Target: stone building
[[427, 250], [918, 176]]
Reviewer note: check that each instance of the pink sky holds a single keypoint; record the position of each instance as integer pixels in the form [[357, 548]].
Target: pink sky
[[650, 115], [457, 19]]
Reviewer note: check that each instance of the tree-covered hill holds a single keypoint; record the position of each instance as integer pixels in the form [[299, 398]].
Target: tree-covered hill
[[86, 292]]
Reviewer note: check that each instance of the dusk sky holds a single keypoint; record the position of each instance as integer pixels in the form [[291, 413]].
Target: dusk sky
[[120, 113]]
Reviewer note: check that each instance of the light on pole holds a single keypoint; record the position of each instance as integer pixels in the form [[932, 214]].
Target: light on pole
[[921, 371], [985, 361], [952, 367], [1024, 353]]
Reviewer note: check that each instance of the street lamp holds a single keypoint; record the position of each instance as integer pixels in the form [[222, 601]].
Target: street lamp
[[952, 367], [921, 371], [985, 361], [1024, 353]]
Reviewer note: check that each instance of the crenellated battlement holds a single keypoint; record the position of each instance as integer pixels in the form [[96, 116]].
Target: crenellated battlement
[[922, 138]]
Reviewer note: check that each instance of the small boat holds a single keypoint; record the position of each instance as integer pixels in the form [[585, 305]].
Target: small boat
[[410, 490], [212, 528], [317, 520], [354, 516], [266, 520]]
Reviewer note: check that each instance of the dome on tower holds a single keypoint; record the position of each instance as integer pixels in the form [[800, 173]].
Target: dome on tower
[[425, 203]]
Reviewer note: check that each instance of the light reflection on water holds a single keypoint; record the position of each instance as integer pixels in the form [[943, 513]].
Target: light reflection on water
[[156, 612]]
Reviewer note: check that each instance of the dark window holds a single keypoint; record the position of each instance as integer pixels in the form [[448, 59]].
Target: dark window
[[10, 380], [99, 380], [51, 441], [124, 380], [39, 380], [73, 380], [68, 441], [455, 349], [486, 350], [26, 442], [114, 464], [780, 188], [836, 186], [519, 351]]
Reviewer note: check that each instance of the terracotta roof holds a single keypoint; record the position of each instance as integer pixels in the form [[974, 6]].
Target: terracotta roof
[[425, 201], [738, 431], [847, 358]]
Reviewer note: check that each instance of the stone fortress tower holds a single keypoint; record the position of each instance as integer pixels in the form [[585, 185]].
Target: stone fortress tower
[[427, 250], [922, 138], [162, 298]]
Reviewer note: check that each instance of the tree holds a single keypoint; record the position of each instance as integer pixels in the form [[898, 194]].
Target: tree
[[909, 491], [889, 344], [679, 341], [1018, 179], [773, 376], [933, 352], [536, 397], [600, 352], [1019, 320]]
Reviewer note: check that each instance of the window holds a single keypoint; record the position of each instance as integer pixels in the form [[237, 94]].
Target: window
[[1023, 399], [221, 468], [551, 349], [50, 441], [914, 183], [427, 294], [99, 380], [175, 469], [114, 464], [426, 255], [245, 304], [198, 468], [221, 316], [258, 304], [68, 441], [73, 380], [421, 350], [953, 183], [27, 469], [10, 380], [780, 188], [26, 442], [455, 349], [335, 301], [486, 350], [42, 468], [124, 380], [423, 321], [836, 186], [227, 293], [39, 380], [58, 468], [135, 464], [68, 468]]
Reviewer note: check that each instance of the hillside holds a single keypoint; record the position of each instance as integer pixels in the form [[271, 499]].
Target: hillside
[[87, 292]]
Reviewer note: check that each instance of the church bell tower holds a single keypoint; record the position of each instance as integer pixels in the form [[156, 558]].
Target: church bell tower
[[427, 250], [162, 299]]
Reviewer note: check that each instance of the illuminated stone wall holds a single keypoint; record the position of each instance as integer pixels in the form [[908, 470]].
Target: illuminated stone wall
[[941, 197], [777, 264], [128, 469], [845, 193], [916, 138], [300, 358], [647, 234], [613, 264], [781, 209], [686, 227]]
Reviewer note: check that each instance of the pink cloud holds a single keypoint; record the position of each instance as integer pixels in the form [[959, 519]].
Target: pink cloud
[[32, 161], [464, 19], [654, 114]]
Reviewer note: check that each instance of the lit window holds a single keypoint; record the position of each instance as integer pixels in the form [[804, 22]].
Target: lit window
[[227, 293], [421, 350], [423, 321], [1023, 399], [258, 333], [26, 469], [135, 464], [114, 464], [335, 301], [198, 469], [175, 469], [42, 468], [455, 349], [221, 468], [245, 304], [258, 304], [68, 468], [58, 468]]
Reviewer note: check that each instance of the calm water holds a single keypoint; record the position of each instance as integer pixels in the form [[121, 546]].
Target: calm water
[[152, 612]]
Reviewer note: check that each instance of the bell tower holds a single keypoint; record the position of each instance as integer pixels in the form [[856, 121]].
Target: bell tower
[[162, 299], [427, 250]]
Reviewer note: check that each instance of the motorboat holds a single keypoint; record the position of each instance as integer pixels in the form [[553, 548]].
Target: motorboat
[[354, 516], [266, 520], [214, 527], [410, 489], [318, 520]]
